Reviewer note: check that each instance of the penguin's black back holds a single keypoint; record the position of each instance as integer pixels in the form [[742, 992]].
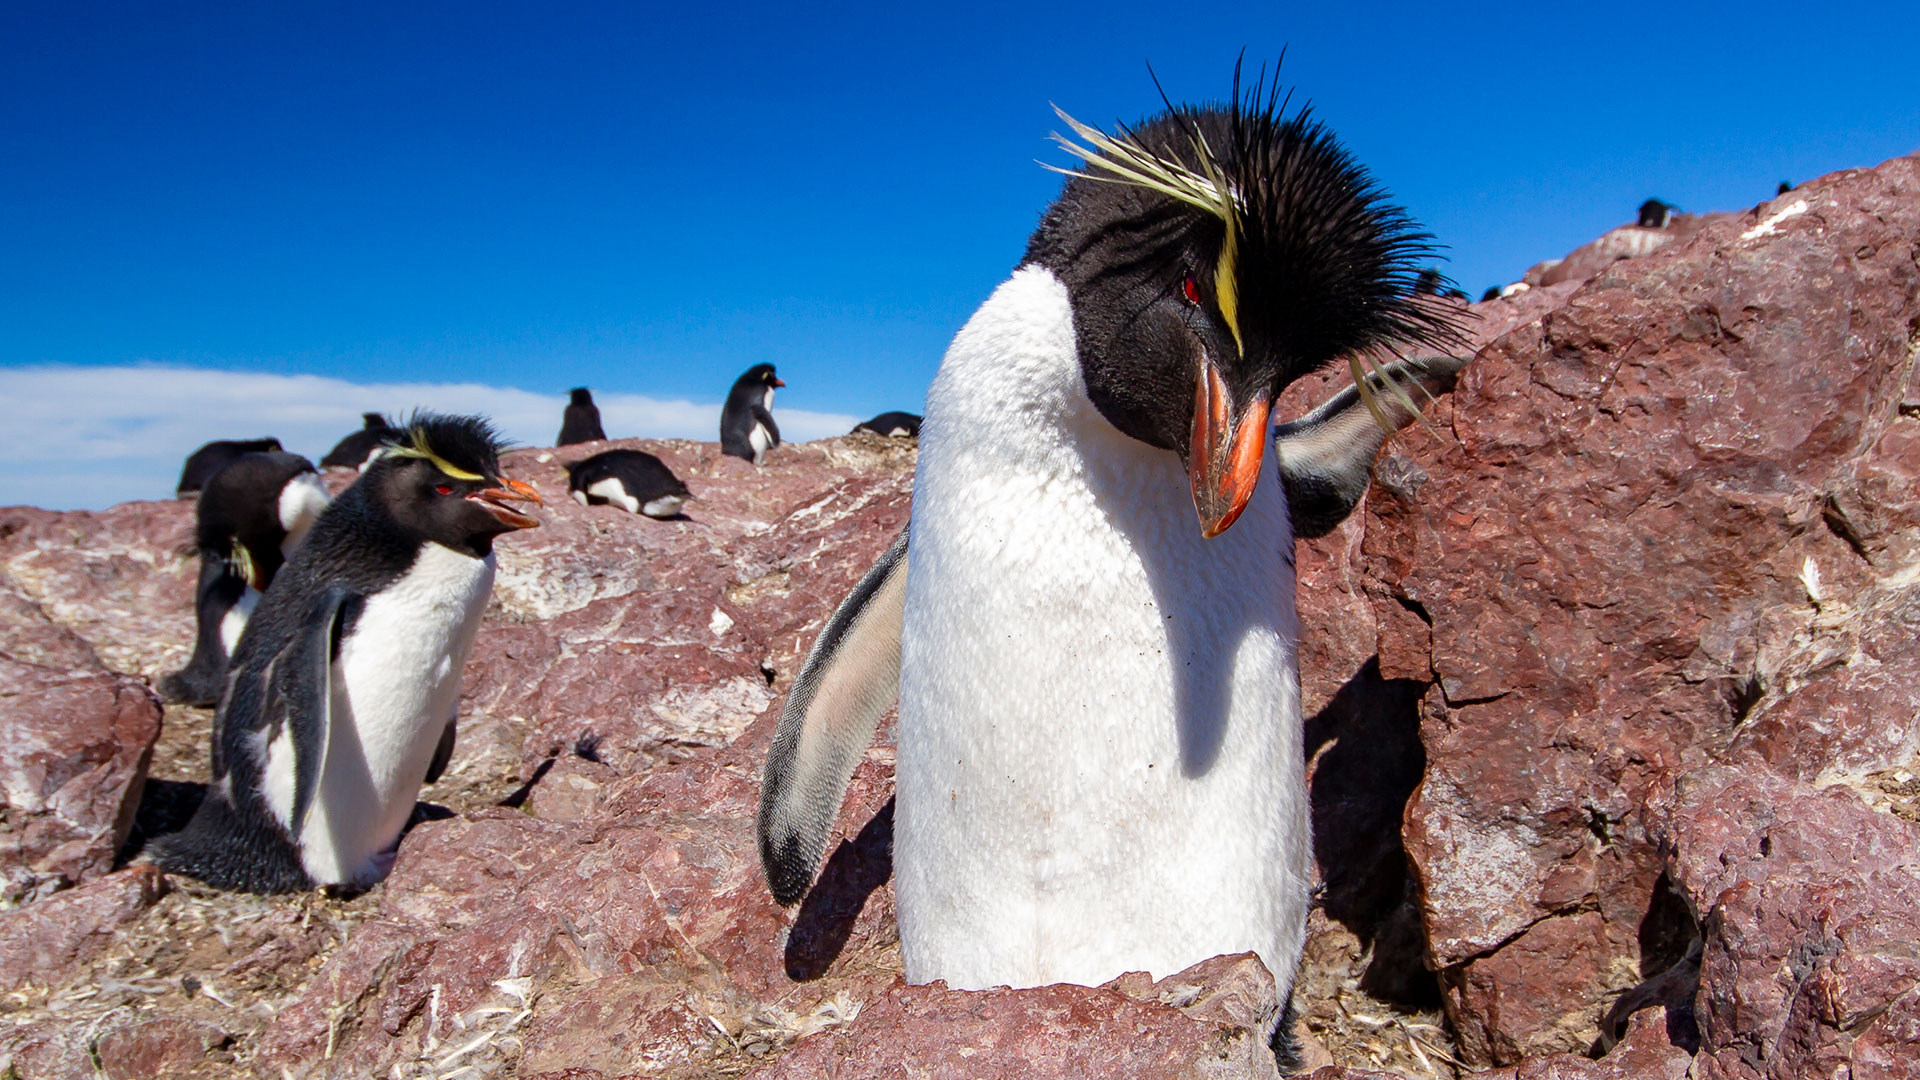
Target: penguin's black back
[[242, 503], [889, 422], [644, 476], [581, 422], [203, 463], [353, 451], [1655, 214]]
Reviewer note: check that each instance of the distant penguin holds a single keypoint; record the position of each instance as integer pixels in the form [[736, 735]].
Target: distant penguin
[[1785, 186], [633, 480], [1655, 214], [353, 451], [1099, 765], [250, 516], [747, 429], [898, 425], [214, 456], [581, 422], [1430, 282], [342, 692], [1492, 293]]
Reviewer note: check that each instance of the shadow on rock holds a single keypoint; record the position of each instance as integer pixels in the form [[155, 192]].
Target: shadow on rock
[[1360, 788], [828, 912]]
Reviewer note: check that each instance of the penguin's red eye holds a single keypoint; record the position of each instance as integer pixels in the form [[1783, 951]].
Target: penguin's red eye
[[1193, 292], [444, 489]]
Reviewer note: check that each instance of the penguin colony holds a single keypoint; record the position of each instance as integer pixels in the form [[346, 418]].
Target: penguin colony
[[342, 689], [1099, 745]]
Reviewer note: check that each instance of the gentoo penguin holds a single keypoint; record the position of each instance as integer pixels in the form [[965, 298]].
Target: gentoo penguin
[[250, 516], [353, 451], [1655, 214], [217, 455], [581, 422], [898, 425], [1099, 762], [341, 695], [633, 480], [747, 429]]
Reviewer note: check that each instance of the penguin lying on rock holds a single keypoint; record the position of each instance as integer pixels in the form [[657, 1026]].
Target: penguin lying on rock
[[203, 463], [341, 694], [353, 451], [747, 429], [1099, 762], [250, 516], [581, 420], [898, 425], [633, 480]]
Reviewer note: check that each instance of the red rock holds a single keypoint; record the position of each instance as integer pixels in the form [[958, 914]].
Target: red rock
[[39, 943], [73, 755], [154, 1048]]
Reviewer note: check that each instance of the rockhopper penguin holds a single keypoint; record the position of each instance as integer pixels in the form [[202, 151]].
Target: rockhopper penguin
[[897, 425], [633, 480], [353, 451], [581, 420], [214, 456], [250, 517], [341, 694], [747, 429], [1099, 764]]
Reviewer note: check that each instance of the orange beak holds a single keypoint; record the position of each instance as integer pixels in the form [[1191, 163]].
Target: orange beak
[[1223, 456], [511, 491]]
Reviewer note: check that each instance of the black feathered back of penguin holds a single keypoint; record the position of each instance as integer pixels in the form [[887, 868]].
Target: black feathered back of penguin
[[634, 479], [581, 420], [897, 424], [368, 539], [202, 464], [353, 451]]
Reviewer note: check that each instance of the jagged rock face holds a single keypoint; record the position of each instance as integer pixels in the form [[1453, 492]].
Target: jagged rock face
[[1613, 716]]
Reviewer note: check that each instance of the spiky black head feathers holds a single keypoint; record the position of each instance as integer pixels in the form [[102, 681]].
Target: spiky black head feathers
[[1257, 219], [463, 447]]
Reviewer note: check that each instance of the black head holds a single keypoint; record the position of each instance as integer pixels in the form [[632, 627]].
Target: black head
[[580, 395], [375, 421], [1214, 255], [440, 479], [1785, 186], [1492, 293], [759, 375]]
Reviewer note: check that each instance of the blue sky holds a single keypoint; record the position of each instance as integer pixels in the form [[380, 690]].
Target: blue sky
[[649, 199]]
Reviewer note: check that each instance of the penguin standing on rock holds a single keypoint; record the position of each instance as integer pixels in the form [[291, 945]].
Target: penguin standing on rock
[[1099, 762], [747, 429], [250, 517], [581, 422], [353, 451], [633, 480], [203, 463], [1655, 214], [341, 694]]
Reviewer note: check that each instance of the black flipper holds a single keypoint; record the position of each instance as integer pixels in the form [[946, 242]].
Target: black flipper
[[851, 677], [765, 419], [300, 694], [1326, 456], [442, 753]]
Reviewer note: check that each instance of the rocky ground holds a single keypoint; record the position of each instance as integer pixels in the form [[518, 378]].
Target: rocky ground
[[1613, 737]]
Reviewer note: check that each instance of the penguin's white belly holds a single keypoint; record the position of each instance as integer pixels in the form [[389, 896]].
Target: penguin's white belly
[[396, 684], [234, 622], [760, 439], [1099, 762], [615, 492]]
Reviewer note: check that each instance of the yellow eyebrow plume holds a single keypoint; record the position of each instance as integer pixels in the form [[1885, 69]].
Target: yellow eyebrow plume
[[1130, 163], [418, 447]]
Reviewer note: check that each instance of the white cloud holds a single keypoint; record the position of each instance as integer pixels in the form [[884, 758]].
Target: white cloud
[[89, 437]]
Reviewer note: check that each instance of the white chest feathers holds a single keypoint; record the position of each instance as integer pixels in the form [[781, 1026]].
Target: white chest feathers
[[1099, 745], [396, 685]]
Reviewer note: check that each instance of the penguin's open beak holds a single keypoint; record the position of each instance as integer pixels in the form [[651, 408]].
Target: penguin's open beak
[[512, 491], [1223, 456]]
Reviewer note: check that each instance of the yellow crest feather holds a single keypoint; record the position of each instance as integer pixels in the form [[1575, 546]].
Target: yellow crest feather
[[1207, 190], [417, 447]]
